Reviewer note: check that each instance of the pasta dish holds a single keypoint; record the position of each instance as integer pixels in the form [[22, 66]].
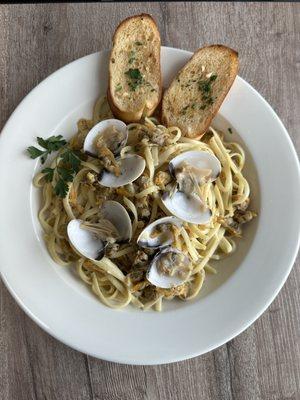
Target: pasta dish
[[145, 210]]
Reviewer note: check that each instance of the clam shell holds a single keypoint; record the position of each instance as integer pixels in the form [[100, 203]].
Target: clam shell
[[162, 280], [85, 243], [163, 240], [98, 129], [131, 166], [187, 208], [118, 216], [199, 159]]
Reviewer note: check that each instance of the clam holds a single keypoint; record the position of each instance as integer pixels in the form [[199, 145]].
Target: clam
[[191, 169], [90, 239], [159, 234], [203, 164], [169, 268], [105, 141], [189, 208], [110, 133], [130, 168]]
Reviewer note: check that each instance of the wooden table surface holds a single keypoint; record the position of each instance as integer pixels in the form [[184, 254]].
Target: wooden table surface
[[261, 363]]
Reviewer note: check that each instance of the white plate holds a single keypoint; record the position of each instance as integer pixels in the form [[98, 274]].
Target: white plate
[[247, 282]]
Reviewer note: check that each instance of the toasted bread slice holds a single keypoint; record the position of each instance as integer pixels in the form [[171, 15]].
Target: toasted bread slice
[[197, 92], [134, 88]]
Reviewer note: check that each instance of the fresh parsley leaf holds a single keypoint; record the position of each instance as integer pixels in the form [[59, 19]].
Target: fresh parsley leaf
[[49, 173], [71, 159], [42, 142], [53, 143], [213, 78], [56, 142], [80, 155], [66, 174], [67, 167], [61, 188], [34, 152]]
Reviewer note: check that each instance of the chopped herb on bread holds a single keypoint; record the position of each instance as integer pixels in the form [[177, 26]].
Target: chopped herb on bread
[[134, 88], [197, 92]]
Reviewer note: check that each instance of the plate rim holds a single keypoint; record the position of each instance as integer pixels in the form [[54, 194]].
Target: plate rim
[[175, 358]]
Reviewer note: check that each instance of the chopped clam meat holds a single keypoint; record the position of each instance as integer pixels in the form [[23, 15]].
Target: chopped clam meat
[[103, 229], [189, 177], [154, 136], [171, 264], [141, 258], [143, 182], [162, 178], [111, 138], [108, 160], [159, 229]]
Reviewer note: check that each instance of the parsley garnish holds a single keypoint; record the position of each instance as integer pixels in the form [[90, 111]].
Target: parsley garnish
[[136, 78], [138, 43], [34, 152], [134, 74], [48, 173], [67, 167], [61, 188], [71, 159], [230, 131], [53, 143], [118, 87], [205, 87], [131, 57], [65, 174]]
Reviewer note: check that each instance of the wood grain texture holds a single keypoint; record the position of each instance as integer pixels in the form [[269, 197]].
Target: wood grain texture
[[263, 363]]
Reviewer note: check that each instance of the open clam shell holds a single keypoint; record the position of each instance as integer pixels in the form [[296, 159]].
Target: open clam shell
[[201, 160], [87, 244], [154, 236], [159, 270], [185, 203], [116, 135], [188, 208], [131, 167], [119, 217]]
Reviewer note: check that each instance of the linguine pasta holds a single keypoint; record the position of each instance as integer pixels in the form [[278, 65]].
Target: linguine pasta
[[119, 278]]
